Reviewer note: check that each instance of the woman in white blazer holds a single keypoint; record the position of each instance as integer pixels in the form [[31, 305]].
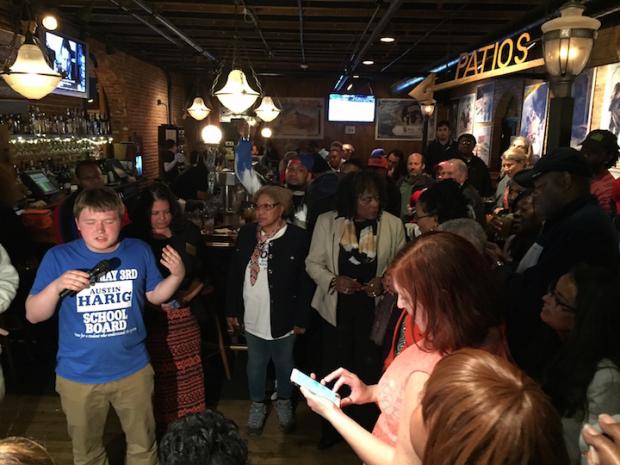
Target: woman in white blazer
[[350, 251]]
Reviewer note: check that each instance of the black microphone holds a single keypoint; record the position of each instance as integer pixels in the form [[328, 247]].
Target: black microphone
[[94, 273]]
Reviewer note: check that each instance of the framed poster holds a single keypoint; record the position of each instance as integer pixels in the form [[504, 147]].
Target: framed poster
[[453, 117], [301, 118], [484, 103], [483, 133], [465, 120], [610, 112], [534, 115], [583, 90], [399, 119]]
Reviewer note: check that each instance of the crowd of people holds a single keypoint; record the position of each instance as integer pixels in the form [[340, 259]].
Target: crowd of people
[[457, 322]]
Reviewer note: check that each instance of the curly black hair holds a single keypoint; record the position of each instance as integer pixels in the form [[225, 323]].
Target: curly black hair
[[355, 184], [206, 438]]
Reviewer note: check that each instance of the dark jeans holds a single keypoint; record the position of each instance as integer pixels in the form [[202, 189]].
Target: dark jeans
[[260, 351], [348, 345]]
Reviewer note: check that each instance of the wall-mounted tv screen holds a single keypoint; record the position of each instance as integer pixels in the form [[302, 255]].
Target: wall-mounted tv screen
[[354, 108], [68, 56]]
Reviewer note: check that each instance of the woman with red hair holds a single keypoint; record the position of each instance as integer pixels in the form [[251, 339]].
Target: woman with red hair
[[446, 287]]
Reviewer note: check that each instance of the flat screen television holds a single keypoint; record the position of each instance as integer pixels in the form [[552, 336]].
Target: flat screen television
[[39, 184], [352, 108], [68, 56]]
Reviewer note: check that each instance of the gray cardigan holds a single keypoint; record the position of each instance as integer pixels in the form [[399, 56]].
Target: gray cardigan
[[322, 260], [603, 396]]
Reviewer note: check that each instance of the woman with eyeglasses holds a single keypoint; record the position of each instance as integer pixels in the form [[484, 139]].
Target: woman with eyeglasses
[[583, 380], [269, 296], [350, 251]]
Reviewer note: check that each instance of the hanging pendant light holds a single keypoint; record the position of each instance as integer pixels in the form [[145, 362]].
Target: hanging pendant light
[[30, 75], [199, 110], [237, 95], [267, 111]]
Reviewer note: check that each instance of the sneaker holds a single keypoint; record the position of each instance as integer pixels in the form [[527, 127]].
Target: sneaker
[[256, 418], [284, 409]]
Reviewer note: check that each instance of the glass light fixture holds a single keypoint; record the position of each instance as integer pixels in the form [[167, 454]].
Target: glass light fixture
[[199, 110], [237, 95], [387, 39], [267, 111], [266, 133], [428, 108], [568, 41], [211, 134], [30, 75], [368, 62]]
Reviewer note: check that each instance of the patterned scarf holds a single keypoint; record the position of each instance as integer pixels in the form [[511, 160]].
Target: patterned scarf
[[262, 243], [364, 247]]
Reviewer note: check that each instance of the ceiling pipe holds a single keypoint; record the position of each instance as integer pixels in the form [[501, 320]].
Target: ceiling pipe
[[146, 23], [359, 41], [301, 32], [383, 22], [174, 29], [421, 39], [248, 12]]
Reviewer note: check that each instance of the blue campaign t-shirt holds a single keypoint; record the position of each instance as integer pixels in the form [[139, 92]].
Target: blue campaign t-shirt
[[101, 329]]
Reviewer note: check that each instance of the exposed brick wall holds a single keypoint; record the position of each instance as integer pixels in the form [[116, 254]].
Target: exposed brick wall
[[132, 88]]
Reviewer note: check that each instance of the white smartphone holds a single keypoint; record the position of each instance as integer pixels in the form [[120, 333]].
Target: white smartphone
[[302, 380]]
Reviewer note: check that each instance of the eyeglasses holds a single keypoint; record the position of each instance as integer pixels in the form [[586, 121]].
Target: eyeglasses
[[466, 142], [559, 302], [266, 206]]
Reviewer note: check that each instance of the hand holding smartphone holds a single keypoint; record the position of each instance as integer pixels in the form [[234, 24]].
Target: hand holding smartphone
[[316, 388]]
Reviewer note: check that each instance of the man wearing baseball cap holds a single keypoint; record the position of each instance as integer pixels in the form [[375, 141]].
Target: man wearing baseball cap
[[600, 149], [576, 230], [378, 162]]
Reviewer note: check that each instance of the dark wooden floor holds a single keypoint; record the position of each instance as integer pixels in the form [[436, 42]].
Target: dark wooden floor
[[40, 418]]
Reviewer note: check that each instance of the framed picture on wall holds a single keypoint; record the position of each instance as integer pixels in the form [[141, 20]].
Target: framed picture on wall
[[465, 118], [301, 118], [483, 133], [484, 103], [610, 111], [453, 117], [400, 119], [583, 90], [534, 115]]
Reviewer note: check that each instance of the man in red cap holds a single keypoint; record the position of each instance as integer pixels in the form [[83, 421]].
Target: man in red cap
[[378, 163]]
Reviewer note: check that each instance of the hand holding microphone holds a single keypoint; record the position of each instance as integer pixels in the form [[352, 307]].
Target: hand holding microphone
[[73, 281]]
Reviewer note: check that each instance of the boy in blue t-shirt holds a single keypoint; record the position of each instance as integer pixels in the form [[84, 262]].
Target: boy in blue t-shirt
[[102, 358]]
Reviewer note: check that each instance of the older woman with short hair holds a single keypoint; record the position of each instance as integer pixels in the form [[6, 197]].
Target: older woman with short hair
[[514, 160], [269, 294], [350, 251]]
